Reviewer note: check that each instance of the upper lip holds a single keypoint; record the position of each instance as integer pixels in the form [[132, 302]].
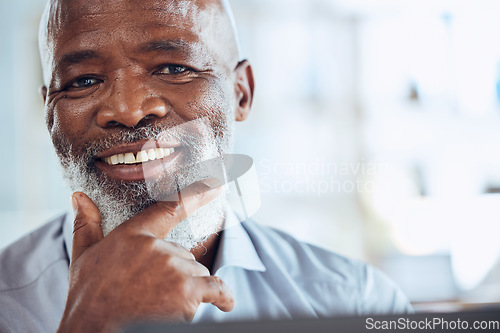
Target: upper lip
[[135, 147]]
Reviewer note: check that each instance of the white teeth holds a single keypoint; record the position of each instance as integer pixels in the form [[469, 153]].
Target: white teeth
[[140, 157], [151, 154], [129, 158], [167, 151]]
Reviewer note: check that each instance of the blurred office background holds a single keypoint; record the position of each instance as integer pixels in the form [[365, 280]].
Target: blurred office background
[[375, 132]]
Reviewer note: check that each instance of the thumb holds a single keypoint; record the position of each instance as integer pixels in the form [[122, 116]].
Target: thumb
[[87, 225]]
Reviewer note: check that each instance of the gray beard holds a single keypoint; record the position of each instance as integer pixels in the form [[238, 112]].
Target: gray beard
[[119, 201]]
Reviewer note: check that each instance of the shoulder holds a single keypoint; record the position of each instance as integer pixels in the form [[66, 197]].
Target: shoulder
[[34, 280], [296, 256], [345, 277], [29, 257]]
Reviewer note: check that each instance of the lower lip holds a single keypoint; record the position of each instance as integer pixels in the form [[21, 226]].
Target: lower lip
[[142, 171]]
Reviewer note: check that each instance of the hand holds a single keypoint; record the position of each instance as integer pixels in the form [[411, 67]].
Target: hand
[[133, 273]]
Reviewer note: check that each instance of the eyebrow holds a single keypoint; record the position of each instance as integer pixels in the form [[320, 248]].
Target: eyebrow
[[166, 45], [78, 57]]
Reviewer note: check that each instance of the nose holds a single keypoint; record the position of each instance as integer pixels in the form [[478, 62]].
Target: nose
[[128, 103]]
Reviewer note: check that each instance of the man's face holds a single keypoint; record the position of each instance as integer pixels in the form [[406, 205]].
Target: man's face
[[138, 93]]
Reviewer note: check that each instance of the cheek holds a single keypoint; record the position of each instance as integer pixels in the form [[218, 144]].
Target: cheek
[[69, 122], [211, 101], [74, 116]]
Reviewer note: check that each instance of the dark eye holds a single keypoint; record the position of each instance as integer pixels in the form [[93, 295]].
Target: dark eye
[[172, 69], [83, 82]]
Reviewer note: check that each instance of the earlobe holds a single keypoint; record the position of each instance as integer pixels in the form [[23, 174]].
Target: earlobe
[[43, 92], [244, 86], [49, 119]]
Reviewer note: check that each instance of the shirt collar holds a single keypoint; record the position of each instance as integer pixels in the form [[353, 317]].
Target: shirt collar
[[235, 248]]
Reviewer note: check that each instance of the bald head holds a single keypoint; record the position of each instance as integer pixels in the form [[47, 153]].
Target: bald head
[[211, 20]]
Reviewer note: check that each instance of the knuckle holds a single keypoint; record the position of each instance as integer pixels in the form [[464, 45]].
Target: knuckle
[[126, 230], [217, 283], [149, 244], [217, 280], [172, 208], [154, 250], [80, 223], [170, 263]]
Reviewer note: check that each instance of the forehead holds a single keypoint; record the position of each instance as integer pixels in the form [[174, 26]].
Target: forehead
[[93, 11], [79, 23]]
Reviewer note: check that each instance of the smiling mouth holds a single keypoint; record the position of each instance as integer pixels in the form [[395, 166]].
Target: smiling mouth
[[142, 156]]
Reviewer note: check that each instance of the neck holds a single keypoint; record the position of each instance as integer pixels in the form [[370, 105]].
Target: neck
[[205, 253]]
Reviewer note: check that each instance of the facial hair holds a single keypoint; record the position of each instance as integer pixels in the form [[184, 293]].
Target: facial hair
[[118, 201]]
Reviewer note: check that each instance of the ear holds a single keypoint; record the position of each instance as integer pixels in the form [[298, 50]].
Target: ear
[[244, 87], [49, 116], [43, 92]]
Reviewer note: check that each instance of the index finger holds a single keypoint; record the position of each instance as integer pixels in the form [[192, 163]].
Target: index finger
[[162, 217]]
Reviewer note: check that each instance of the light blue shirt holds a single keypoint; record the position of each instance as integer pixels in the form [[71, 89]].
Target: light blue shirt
[[272, 276]]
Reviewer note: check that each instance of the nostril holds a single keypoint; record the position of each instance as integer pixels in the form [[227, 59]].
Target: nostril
[[150, 116], [112, 123], [145, 120]]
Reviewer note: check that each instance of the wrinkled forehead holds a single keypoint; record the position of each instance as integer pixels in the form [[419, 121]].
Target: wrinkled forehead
[[64, 15], [64, 12], [208, 21]]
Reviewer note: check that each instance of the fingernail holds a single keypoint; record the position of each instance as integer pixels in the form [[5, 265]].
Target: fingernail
[[74, 203]]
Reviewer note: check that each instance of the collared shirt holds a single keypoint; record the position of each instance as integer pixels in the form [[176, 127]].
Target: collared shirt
[[271, 274]]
